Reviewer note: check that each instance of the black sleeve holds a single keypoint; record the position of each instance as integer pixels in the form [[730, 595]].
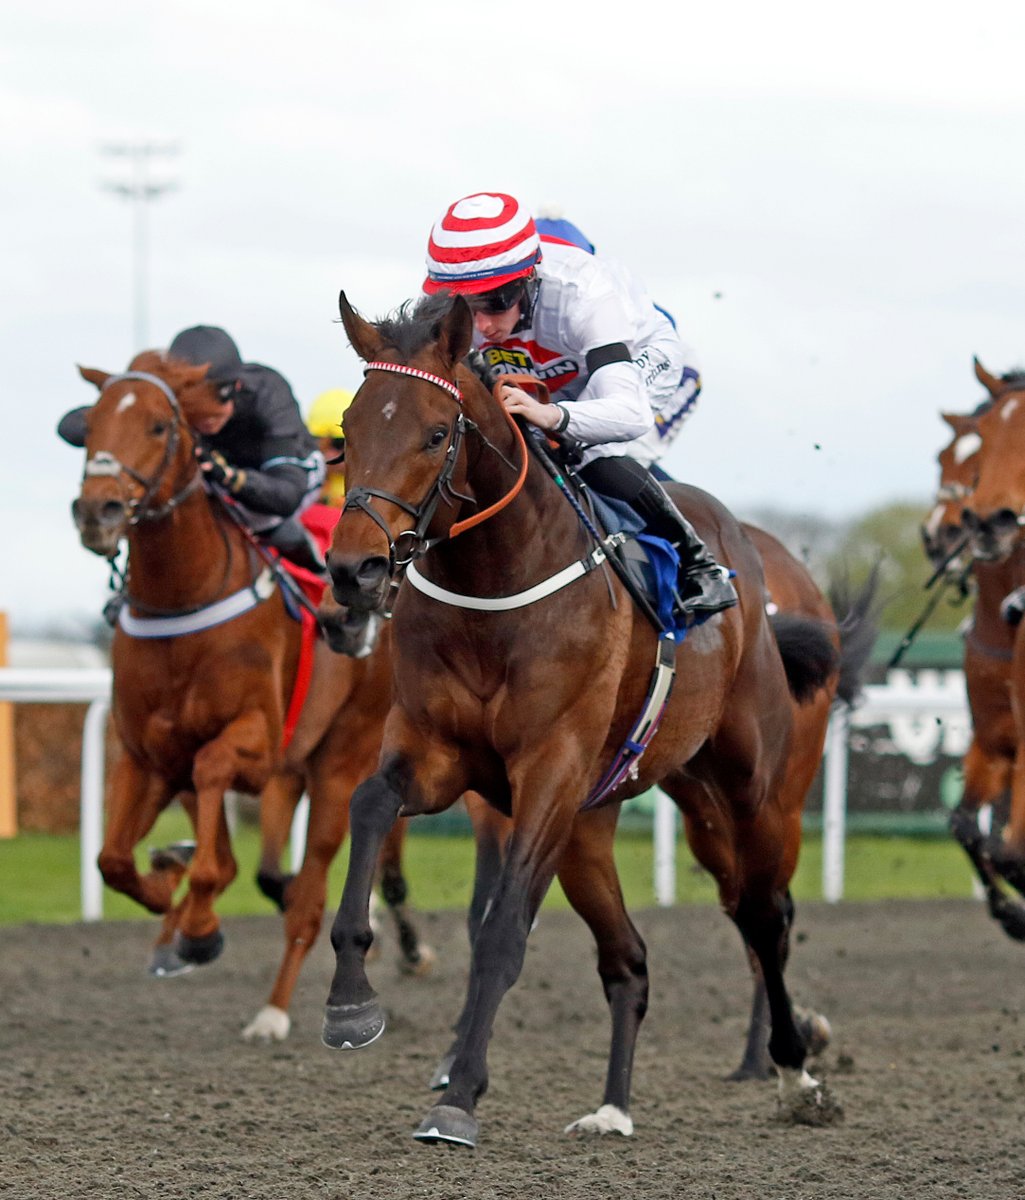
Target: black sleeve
[[277, 489], [71, 427]]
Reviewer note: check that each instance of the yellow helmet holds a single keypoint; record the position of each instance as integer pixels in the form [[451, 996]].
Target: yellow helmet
[[324, 418]]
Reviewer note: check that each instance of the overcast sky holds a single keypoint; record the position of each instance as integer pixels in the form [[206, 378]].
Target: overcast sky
[[830, 200]]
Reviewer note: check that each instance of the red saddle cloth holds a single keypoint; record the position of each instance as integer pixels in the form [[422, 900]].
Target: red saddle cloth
[[320, 520]]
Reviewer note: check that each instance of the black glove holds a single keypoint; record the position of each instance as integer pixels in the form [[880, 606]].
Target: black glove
[[216, 469]]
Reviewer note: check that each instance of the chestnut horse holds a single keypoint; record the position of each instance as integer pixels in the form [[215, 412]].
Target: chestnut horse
[[200, 712], [548, 712], [995, 653]]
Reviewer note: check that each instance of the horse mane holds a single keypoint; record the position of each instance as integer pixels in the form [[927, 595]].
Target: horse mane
[[158, 362], [415, 323], [1014, 378]]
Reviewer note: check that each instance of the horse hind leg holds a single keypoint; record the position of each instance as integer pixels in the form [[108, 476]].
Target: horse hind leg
[[589, 878], [415, 956], [764, 922], [277, 810]]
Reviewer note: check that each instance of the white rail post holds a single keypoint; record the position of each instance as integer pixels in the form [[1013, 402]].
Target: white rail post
[[665, 850], [91, 831], [834, 806]]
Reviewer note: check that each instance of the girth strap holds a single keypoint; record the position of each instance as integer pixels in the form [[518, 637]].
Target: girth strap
[[645, 727]]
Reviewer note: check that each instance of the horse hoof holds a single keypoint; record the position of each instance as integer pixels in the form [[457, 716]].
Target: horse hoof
[[273, 887], [352, 1026], [271, 1024], [421, 965], [608, 1119], [177, 854], [439, 1080], [1010, 916], [201, 950], [166, 963], [446, 1123], [814, 1029]]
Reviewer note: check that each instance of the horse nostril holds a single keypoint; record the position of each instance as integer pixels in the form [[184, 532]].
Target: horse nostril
[[112, 512], [969, 519], [371, 572]]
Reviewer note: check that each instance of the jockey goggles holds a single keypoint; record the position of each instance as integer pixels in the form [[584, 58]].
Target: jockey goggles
[[499, 300]]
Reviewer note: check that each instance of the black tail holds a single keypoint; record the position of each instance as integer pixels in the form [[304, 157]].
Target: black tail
[[809, 657], [857, 618]]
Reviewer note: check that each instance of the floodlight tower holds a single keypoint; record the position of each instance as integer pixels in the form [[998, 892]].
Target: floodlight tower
[[141, 191]]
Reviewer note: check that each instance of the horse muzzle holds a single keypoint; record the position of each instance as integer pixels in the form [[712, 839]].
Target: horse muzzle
[[991, 537], [349, 632], [362, 586], [101, 523]]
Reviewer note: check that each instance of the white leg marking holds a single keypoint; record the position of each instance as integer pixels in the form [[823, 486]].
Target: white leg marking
[[271, 1024], [793, 1083], [608, 1119]]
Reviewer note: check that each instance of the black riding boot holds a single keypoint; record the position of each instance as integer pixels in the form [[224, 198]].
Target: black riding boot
[[296, 544], [705, 584]]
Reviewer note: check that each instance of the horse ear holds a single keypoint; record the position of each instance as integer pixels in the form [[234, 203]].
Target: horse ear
[[959, 422], [194, 374], [988, 381], [94, 376], [364, 338], [455, 333]]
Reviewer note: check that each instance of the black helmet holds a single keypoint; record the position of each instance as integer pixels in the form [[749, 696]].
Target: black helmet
[[209, 344]]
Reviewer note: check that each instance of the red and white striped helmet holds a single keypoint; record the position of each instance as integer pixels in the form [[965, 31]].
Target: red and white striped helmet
[[482, 242]]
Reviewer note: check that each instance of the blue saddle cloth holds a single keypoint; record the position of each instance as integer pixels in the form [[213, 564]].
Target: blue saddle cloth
[[655, 564]]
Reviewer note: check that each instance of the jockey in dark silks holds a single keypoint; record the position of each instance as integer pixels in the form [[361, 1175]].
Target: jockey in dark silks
[[251, 442]]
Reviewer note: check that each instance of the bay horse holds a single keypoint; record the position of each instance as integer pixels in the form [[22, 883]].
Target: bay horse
[[849, 621], [538, 709], [995, 653], [200, 712]]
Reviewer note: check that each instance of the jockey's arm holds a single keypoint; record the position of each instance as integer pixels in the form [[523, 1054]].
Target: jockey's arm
[[613, 405], [277, 487]]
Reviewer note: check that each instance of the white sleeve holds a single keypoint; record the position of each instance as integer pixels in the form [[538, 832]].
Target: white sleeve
[[613, 405]]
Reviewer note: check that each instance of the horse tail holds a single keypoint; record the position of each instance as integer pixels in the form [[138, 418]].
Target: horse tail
[[810, 657], [857, 617]]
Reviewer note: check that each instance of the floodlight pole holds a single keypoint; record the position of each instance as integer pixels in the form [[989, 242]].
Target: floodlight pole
[[140, 191]]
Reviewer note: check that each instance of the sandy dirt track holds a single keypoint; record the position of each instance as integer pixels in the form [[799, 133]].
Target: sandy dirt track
[[113, 1085]]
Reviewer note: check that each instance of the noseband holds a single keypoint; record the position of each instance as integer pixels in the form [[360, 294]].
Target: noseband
[[413, 543], [105, 464]]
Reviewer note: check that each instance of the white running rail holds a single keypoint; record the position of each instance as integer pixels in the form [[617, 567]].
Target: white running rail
[[917, 707]]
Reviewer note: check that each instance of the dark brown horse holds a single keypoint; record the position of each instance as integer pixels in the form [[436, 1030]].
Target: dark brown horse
[[200, 712], [532, 704], [995, 653]]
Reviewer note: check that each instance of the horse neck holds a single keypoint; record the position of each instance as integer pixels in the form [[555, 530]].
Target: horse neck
[[179, 560], [534, 536]]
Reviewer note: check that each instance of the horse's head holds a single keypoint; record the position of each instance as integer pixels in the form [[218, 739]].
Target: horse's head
[[406, 477], [139, 460], [993, 512], [942, 532]]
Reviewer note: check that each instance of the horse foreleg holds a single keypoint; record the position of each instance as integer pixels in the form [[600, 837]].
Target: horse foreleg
[[987, 778], [532, 854], [240, 751], [353, 1016], [490, 831], [137, 797], [589, 878]]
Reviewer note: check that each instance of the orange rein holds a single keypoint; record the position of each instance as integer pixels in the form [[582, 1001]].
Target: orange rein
[[523, 381]]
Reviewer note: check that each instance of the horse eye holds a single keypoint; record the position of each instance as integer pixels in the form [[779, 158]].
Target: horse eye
[[159, 428], [436, 439]]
